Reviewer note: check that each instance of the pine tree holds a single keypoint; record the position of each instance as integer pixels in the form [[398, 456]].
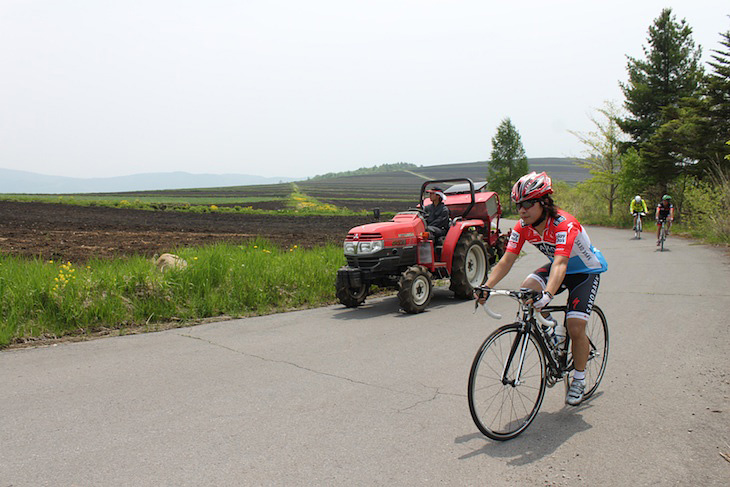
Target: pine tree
[[509, 161], [695, 130], [657, 86], [718, 96], [670, 72]]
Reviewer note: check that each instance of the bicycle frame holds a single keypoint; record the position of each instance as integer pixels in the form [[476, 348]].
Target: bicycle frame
[[528, 319]]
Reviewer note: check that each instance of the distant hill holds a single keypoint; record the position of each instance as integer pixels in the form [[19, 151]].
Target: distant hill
[[405, 177], [398, 166], [12, 181], [395, 190], [559, 168]]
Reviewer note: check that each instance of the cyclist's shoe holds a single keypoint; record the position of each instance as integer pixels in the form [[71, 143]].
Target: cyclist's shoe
[[575, 393]]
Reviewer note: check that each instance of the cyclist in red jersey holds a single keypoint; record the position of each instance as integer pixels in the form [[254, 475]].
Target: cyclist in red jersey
[[574, 265]]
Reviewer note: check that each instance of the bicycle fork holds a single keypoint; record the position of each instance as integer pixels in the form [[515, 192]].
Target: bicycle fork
[[520, 343]]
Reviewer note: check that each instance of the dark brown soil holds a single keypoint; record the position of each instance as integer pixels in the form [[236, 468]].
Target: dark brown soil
[[78, 233]]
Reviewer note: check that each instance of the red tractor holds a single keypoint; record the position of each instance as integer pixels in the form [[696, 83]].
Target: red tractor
[[399, 253]]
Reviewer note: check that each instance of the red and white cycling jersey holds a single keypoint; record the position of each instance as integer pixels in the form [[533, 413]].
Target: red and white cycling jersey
[[563, 236]]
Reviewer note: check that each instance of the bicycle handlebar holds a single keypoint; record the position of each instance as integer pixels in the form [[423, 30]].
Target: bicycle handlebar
[[491, 313], [520, 295]]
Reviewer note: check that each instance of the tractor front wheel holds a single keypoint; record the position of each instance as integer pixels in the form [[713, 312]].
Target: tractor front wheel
[[352, 297], [470, 265], [415, 289]]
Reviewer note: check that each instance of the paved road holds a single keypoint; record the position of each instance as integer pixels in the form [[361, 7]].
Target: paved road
[[334, 396]]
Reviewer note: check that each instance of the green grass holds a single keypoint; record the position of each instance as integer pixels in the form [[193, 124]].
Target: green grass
[[55, 299], [295, 204]]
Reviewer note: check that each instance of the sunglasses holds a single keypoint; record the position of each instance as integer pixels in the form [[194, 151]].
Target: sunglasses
[[527, 204]]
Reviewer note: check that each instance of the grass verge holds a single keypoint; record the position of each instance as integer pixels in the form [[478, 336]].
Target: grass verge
[[47, 299]]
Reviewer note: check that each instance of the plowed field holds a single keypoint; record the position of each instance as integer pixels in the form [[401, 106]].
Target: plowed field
[[78, 233]]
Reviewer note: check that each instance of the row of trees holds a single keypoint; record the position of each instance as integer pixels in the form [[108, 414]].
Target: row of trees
[[670, 135], [395, 166]]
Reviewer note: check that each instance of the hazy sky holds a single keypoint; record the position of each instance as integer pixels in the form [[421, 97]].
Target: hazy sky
[[94, 88]]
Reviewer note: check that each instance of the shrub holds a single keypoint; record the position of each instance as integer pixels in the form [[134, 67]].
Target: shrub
[[707, 208]]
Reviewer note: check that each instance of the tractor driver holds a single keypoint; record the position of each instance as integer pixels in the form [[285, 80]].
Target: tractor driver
[[437, 214]]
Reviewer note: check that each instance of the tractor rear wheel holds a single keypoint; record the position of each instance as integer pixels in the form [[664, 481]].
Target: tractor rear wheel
[[469, 266], [415, 289], [352, 297]]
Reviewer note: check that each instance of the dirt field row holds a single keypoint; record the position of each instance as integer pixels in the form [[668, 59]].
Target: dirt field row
[[78, 233]]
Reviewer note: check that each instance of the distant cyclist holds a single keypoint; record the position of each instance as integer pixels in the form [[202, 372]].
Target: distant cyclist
[[664, 215], [637, 206], [574, 265]]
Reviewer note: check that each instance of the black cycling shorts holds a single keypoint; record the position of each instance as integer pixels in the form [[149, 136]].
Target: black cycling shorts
[[582, 290]]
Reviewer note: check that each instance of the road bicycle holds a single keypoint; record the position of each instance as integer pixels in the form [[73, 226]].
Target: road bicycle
[[639, 226], [518, 361], [662, 232]]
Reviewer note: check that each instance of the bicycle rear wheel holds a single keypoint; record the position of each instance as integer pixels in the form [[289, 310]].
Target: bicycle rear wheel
[[501, 408], [597, 331]]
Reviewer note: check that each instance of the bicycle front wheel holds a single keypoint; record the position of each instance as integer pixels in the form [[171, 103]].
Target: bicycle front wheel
[[597, 332], [507, 382], [663, 236]]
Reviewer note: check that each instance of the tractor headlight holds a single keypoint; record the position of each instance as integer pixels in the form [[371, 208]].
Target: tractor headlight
[[350, 248], [363, 248], [370, 247]]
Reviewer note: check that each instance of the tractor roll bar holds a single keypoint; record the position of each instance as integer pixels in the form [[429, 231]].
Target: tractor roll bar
[[456, 180]]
